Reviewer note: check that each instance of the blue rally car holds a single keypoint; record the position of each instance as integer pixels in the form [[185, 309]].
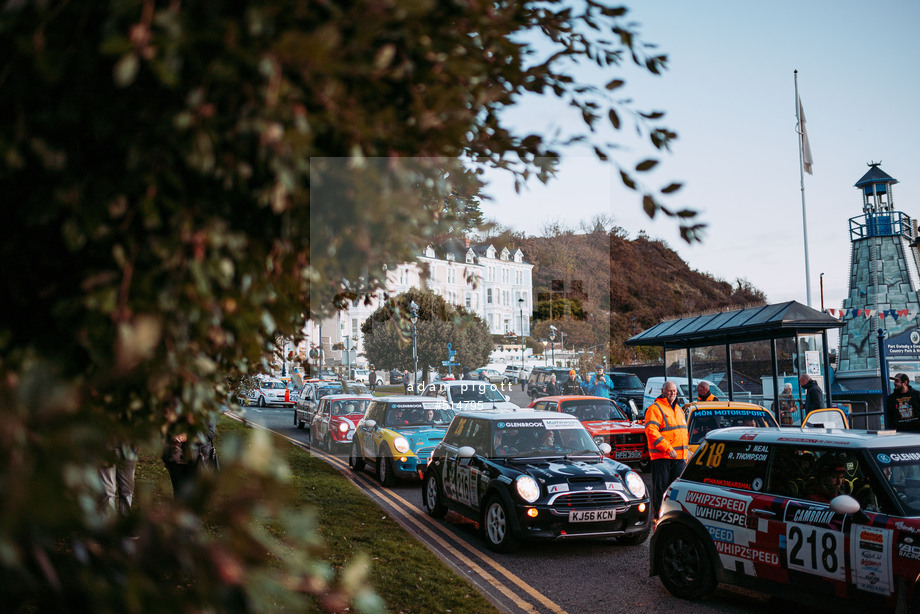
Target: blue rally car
[[397, 435]]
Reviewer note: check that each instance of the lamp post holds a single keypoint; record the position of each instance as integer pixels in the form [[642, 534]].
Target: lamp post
[[284, 358], [552, 342], [354, 348], [521, 305], [413, 310], [544, 352]]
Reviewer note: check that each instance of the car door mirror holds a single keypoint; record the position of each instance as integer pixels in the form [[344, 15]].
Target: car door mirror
[[633, 410], [370, 423], [466, 451], [845, 504], [605, 448], [507, 397]]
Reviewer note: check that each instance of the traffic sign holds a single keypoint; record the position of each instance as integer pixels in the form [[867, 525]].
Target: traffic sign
[[445, 363]]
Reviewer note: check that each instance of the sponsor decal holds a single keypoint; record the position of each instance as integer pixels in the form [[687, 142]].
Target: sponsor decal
[[750, 554], [747, 456], [522, 424], [717, 501], [554, 488], [747, 437], [728, 483], [723, 516], [909, 551], [871, 552], [561, 423], [757, 484], [408, 406], [906, 456], [883, 458], [721, 534], [901, 526], [833, 442], [813, 515]]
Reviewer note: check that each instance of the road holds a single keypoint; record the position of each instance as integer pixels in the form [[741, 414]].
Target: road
[[575, 576]]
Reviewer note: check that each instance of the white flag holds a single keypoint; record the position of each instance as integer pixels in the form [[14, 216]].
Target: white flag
[[807, 160]]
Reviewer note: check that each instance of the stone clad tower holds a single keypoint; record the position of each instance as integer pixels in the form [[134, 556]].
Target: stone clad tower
[[883, 279]]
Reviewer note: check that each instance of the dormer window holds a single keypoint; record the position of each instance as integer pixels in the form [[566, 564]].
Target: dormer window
[[429, 252], [490, 253], [518, 256], [469, 256], [505, 254]]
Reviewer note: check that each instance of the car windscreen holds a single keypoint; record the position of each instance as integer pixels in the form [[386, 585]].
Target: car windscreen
[[590, 409], [273, 385], [464, 393], [540, 437], [625, 381], [327, 390], [349, 406], [713, 390], [704, 420], [418, 414], [901, 468]]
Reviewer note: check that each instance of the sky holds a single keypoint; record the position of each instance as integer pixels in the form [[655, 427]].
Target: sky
[[729, 93]]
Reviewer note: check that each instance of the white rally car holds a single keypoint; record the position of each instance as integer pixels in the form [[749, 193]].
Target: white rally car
[[821, 515], [271, 391]]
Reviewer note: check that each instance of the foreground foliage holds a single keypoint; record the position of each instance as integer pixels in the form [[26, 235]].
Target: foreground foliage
[[182, 185]]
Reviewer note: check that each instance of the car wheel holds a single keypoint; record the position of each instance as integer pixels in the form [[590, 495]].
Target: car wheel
[[355, 460], [261, 401], [683, 564], [634, 539], [298, 421], [385, 467], [496, 526], [431, 497]]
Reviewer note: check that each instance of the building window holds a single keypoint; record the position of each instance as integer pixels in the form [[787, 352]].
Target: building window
[[469, 301], [489, 296]]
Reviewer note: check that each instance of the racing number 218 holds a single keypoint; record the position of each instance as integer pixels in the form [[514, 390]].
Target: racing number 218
[[815, 550], [713, 455]]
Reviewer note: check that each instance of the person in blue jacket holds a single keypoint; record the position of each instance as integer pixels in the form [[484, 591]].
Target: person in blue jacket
[[600, 384]]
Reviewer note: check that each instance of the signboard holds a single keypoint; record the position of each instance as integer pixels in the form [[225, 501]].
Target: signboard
[[903, 355], [813, 363]]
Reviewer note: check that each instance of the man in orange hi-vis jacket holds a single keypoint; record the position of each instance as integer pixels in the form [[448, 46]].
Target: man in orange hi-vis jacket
[[668, 441]]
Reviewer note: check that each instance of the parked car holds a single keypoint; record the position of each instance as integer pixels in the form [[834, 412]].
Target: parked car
[[703, 417], [822, 516], [336, 418], [607, 423], [397, 435], [471, 395], [626, 387], [269, 391], [363, 376], [684, 393], [540, 377], [489, 375], [533, 475]]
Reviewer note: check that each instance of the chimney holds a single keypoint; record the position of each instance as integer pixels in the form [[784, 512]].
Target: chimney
[[467, 241]]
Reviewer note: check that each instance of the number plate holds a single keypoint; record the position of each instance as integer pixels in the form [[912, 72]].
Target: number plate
[[628, 454], [592, 515]]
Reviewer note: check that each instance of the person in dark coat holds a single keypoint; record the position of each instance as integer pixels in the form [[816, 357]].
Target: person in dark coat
[[466, 373], [571, 385], [902, 411], [814, 397], [552, 388], [186, 454]]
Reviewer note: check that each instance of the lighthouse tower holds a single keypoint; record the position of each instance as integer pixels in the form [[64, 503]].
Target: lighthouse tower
[[883, 280]]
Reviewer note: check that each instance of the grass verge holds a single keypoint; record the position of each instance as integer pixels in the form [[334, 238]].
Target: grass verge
[[406, 575]]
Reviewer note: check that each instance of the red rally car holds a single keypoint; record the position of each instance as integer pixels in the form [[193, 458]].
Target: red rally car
[[821, 515], [606, 423]]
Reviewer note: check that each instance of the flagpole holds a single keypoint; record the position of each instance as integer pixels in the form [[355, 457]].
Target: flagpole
[[798, 128]]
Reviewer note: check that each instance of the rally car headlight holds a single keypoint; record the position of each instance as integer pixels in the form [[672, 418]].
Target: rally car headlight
[[635, 484], [527, 488], [598, 440], [343, 427], [401, 445]]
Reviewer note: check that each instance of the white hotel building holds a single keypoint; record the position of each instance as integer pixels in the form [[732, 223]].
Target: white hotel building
[[487, 282]]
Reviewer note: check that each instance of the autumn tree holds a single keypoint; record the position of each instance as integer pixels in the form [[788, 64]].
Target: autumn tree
[[388, 333], [185, 182]]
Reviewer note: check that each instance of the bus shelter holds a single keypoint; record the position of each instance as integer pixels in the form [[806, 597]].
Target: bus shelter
[[776, 343]]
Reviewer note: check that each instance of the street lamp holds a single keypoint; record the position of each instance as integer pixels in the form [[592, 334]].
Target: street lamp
[[284, 358], [552, 342], [521, 304], [413, 310], [544, 352]]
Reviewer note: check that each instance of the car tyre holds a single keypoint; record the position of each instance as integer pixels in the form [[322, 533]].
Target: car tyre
[[385, 467], [297, 420], [261, 401], [432, 498], [684, 566], [355, 460], [496, 526]]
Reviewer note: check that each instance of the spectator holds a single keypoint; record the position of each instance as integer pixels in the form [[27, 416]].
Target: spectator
[[814, 397], [668, 444], [406, 381], [466, 373], [184, 459], [551, 387], [372, 380], [571, 385], [600, 384], [117, 480], [786, 405], [902, 410], [703, 394]]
